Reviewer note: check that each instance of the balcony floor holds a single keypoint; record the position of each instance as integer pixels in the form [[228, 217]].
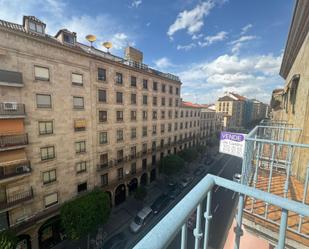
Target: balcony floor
[[295, 192]]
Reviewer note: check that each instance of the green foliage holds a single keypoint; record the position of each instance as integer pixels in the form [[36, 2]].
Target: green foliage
[[172, 164], [214, 139], [84, 214], [8, 240], [189, 155], [140, 193], [202, 149]]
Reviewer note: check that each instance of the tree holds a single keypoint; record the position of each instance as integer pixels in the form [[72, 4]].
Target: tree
[[189, 155], [84, 214], [201, 149], [172, 164], [8, 240], [140, 193]]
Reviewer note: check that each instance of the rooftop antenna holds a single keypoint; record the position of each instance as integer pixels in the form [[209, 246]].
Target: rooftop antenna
[[91, 39], [107, 45]]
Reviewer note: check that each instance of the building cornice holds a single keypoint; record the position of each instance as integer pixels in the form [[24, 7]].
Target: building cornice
[[297, 34]]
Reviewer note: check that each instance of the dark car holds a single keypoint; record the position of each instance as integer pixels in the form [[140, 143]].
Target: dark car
[[209, 161], [116, 242], [199, 172], [174, 190], [160, 203]]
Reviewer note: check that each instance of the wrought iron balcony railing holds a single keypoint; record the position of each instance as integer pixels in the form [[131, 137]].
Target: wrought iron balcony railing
[[167, 229], [11, 109], [15, 170], [12, 200], [8, 141]]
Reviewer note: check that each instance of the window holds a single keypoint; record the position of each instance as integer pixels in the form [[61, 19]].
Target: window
[[162, 128], [176, 114], [101, 74], [133, 132], [133, 81], [50, 200], [102, 116], [119, 78], [82, 187], [36, 27], [154, 145], [144, 99], [163, 88], [176, 126], [144, 131], [133, 98], [154, 101], [49, 176], [176, 102], [103, 137], [103, 160], [41, 73], [68, 38], [187, 113], [154, 115], [119, 99], [169, 127], [144, 164], [120, 173], [169, 114], [120, 156], [81, 167], [119, 116], [45, 127], [177, 91], [181, 114], [162, 114], [145, 84], [181, 126], [80, 125], [154, 130], [43, 101], [80, 147], [119, 135], [171, 90], [133, 168], [163, 101], [77, 79], [144, 148], [78, 102], [47, 153], [144, 115], [102, 95], [155, 86], [133, 115], [104, 180], [133, 152], [170, 102]]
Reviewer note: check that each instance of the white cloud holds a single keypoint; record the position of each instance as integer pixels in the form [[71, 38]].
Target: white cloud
[[186, 47], [252, 76], [163, 63], [57, 15], [191, 20], [136, 3], [239, 43], [196, 37], [246, 28], [220, 36]]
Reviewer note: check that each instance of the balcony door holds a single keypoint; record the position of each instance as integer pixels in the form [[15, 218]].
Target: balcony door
[[2, 194]]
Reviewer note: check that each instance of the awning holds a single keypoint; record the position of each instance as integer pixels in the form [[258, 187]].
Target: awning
[[12, 157], [80, 123]]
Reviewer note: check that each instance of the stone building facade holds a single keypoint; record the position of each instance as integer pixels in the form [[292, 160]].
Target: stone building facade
[[73, 118]]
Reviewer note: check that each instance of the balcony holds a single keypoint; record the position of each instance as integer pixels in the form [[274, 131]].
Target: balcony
[[11, 78], [8, 142], [14, 170], [273, 195], [13, 200], [12, 110]]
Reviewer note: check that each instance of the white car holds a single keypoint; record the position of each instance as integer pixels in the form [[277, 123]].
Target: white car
[[140, 219], [237, 178]]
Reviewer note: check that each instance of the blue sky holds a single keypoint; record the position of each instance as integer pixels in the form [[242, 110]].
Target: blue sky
[[213, 45]]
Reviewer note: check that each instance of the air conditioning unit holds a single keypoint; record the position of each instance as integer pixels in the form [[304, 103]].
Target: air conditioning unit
[[22, 169], [10, 106]]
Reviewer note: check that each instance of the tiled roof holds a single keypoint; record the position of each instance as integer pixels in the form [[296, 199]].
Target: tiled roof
[[226, 98], [239, 96], [190, 104]]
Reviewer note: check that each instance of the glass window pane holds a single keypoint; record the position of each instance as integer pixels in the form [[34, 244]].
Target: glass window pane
[[77, 78], [41, 73]]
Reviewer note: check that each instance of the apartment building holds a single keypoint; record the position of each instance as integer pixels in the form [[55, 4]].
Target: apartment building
[[72, 118]]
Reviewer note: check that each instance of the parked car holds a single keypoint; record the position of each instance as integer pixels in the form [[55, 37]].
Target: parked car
[[185, 181], [174, 190], [160, 203], [140, 219], [209, 161], [237, 178], [191, 222], [199, 172], [117, 241]]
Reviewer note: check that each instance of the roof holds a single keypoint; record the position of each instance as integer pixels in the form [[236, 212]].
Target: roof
[[190, 104], [82, 48], [239, 97], [297, 34], [226, 98]]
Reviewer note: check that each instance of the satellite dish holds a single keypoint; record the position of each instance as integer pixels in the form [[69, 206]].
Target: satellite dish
[[107, 45], [91, 38]]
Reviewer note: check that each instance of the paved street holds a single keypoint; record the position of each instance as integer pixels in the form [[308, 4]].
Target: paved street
[[223, 205]]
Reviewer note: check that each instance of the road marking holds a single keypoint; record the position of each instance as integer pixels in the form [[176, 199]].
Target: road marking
[[225, 164], [216, 208]]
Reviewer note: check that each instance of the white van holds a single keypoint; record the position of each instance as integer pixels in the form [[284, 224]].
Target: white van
[[140, 219]]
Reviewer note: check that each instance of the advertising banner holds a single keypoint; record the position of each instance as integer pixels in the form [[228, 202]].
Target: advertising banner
[[232, 143]]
